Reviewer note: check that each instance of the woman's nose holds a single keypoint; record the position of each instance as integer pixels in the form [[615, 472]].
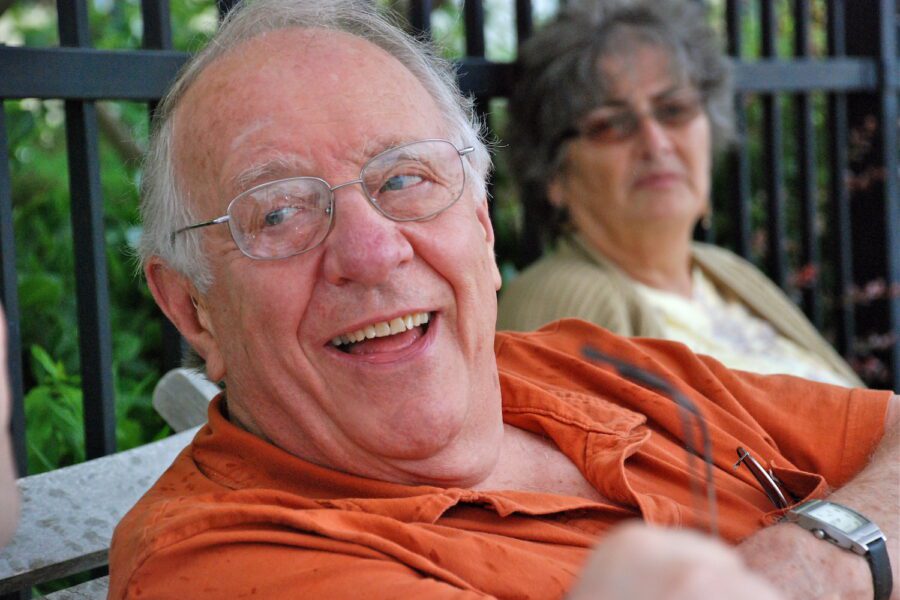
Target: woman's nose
[[654, 137], [364, 246]]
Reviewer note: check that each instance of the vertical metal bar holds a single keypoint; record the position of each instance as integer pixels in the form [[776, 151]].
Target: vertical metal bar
[[774, 168], [874, 208], [704, 230], [158, 35], [889, 114], [808, 275], [473, 12], [420, 17], [524, 20], [157, 24], [9, 295], [225, 6], [739, 156], [839, 241], [528, 246], [474, 18], [94, 337]]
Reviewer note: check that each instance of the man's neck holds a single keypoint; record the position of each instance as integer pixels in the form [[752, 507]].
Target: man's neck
[[532, 463]]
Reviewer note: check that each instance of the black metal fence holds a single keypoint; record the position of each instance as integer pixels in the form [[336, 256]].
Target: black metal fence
[[848, 230]]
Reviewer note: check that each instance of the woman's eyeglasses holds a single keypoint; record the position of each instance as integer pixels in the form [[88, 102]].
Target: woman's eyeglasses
[[616, 124]]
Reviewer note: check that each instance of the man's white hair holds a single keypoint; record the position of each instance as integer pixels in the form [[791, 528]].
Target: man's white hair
[[165, 207]]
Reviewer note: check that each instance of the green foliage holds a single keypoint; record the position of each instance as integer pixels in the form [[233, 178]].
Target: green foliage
[[54, 409], [44, 244]]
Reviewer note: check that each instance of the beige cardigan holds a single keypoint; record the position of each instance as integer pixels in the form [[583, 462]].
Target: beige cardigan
[[577, 281]]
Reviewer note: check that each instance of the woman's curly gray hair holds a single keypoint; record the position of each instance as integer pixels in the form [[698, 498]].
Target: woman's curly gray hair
[[559, 81], [164, 206]]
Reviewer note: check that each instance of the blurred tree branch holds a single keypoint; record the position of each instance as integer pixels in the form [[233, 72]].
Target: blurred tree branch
[[118, 135], [5, 4]]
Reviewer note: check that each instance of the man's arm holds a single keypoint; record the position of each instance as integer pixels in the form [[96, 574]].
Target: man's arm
[[805, 567]]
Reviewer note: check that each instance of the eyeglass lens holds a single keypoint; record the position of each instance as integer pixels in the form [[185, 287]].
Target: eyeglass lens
[[289, 216], [614, 125]]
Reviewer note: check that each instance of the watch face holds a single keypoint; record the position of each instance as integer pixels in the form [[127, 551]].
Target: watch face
[[837, 516]]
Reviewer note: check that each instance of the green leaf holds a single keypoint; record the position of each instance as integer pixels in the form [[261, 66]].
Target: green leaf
[[40, 289]]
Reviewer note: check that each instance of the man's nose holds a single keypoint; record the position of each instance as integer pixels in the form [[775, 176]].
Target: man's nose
[[654, 137], [364, 246]]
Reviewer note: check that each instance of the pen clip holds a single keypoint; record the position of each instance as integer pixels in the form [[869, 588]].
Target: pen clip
[[767, 481]]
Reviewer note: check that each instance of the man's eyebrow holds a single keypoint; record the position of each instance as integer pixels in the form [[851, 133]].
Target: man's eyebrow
[[274, 167], [381, 143]]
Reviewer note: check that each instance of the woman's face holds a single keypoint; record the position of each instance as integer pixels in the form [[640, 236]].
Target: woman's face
[[642, 161]]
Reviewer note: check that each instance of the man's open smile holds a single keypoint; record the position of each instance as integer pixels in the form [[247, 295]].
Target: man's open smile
[[384, 336]]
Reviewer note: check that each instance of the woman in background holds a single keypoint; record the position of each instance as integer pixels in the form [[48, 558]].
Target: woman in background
[[613, 122]]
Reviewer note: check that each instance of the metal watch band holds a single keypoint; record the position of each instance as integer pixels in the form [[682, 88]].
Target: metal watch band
[[882, 580]]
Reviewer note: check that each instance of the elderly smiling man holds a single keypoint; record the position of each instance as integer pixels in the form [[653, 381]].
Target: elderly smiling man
[[316, 228]]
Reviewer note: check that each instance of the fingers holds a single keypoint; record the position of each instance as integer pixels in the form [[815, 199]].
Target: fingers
[[638, 562]]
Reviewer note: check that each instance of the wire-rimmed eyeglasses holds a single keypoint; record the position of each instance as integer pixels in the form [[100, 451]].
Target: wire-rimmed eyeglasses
[[286, 217]]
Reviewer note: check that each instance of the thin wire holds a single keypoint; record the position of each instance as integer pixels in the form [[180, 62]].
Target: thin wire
[[686, 409]]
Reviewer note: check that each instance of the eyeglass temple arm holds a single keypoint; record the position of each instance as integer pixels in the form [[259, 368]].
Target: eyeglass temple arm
[[216, 221], [649, 380]]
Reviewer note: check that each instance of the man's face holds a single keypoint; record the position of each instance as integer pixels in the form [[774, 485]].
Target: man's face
[[420, 406], [9, 500]]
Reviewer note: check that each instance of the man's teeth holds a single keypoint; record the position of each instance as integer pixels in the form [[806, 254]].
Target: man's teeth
[[382, 329]]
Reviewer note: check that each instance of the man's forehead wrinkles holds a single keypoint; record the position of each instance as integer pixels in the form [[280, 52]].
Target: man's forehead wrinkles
[[276, 165], [248, 131], [273, 167]]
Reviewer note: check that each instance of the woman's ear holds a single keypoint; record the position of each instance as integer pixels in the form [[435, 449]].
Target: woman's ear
[[187, 310], [556, 193]]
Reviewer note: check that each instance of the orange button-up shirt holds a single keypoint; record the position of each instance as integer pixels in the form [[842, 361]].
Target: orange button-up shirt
[[237, 517]]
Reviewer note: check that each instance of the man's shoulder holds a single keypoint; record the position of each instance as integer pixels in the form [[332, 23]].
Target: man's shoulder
[[562, 337], [188, 514], [154, 519]]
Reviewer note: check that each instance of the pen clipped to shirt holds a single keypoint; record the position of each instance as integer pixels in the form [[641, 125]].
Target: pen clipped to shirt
[[770, 484]]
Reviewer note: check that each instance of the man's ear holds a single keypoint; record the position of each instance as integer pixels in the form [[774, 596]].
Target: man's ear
[[484, 219], [186, 308]]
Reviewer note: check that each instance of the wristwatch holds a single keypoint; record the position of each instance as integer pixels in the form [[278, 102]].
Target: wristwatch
[[849, 530]]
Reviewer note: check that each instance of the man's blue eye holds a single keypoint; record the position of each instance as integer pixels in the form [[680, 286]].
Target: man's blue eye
[[278, 216], [399, 182]]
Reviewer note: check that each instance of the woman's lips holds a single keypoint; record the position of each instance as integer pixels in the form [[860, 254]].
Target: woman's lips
[[657, 180]]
